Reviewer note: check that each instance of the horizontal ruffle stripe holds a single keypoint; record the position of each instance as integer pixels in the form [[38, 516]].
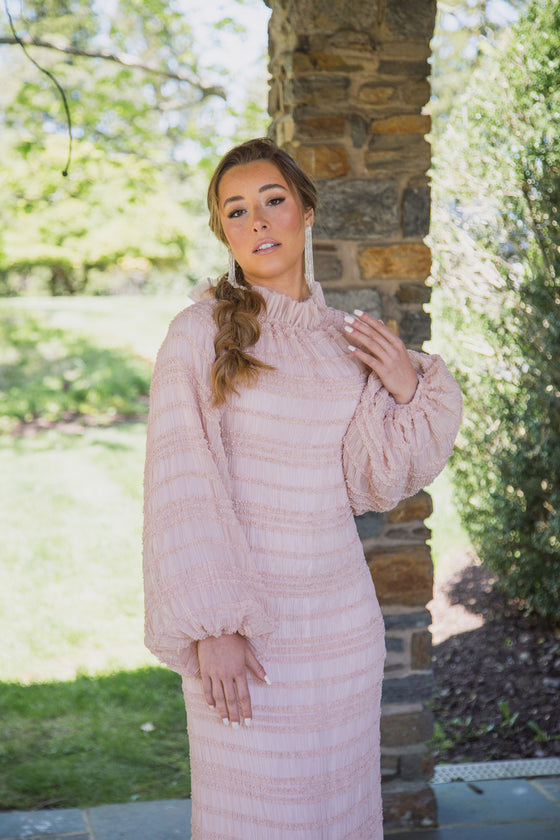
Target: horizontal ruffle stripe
[[248, 527], [290, 790], [234, 748], [259, 823]]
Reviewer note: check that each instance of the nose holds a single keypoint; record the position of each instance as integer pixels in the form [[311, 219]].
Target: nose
[[259, 220]]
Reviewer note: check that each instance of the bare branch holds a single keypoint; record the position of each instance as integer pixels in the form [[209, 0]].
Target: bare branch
[[125, 59], [54, 80]]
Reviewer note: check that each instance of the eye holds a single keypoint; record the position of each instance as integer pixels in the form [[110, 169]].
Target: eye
[[235, 213], [277, 200]]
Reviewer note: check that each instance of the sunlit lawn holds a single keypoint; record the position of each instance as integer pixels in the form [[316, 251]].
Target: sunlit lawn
[[71, 546], [77, 683], [133, 322]]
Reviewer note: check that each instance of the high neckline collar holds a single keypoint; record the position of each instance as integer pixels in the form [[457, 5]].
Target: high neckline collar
[[298, 313]]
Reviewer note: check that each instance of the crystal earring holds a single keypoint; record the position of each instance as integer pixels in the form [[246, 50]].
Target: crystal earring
[[308, 258], [232, 279]]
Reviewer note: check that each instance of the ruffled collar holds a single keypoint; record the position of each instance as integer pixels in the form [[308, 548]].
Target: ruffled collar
[[306, 313]]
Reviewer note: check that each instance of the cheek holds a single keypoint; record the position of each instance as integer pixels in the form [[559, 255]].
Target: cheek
[[232, 230], [291, 218]]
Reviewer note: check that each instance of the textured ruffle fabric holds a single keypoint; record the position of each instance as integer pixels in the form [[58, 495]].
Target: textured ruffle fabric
[[249, 527]]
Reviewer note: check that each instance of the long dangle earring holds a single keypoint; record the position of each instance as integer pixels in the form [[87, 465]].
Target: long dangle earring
[[232, 279], [308, 259]]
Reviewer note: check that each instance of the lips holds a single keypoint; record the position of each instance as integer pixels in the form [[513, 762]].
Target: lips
[[266, 246]]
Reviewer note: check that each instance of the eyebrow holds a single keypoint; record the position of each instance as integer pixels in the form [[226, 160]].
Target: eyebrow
[[261, 189]]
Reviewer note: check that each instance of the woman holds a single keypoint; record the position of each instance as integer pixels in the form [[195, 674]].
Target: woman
[[273, 420]]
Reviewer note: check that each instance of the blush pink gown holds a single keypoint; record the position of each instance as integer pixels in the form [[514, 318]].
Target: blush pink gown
[[249, 527]]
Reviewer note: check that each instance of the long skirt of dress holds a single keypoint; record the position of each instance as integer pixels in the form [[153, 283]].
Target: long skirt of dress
[[309, 766]]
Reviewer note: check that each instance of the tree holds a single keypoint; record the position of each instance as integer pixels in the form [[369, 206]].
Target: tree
[[145, 110], [496, 241], [462, 28]]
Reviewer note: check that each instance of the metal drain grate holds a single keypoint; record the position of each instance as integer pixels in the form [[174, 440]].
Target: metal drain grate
[[479, 771]]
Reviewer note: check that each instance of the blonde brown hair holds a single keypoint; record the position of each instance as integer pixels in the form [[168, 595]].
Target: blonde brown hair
[[237, 309]]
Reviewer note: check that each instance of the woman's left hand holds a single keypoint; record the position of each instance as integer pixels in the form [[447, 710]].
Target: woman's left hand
[[382, 351]]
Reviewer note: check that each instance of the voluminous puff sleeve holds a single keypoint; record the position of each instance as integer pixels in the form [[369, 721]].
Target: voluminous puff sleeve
[[199, 578], [392, 451]]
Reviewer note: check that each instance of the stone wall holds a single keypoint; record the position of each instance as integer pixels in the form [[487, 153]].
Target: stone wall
[[349, 81]]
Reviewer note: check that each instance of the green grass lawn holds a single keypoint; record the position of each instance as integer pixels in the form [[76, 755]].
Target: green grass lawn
[[93, 741], [76, 683], [131, 322], [73, 692], [71, 526]]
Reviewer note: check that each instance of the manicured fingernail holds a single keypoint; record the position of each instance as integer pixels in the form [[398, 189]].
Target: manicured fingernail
[[381, 322], [225, 721], [358, 312], [212, 708], [348, 329], [351, 347], [267, 679], [248, 722], [349, 319], [235, 725]]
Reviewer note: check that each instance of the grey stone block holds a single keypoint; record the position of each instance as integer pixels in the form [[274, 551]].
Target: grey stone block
[[408, 621], [311, 16], [410, 69], [368, 300], [415, 327], [355, 210], [321, 89], [161, 820], [327, 265], [394, 645], [416, 211], [409, 689], [369, 524], [408, 21], [68, 822]]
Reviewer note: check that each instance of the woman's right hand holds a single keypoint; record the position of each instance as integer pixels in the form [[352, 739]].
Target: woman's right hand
[[224, 661]]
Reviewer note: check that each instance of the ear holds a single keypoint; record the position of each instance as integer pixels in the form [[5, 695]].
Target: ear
[[309, 217]]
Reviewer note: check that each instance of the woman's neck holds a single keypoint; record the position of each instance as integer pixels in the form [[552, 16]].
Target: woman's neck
[[292, 288]]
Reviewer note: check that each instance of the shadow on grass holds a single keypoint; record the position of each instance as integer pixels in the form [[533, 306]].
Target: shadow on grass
[[93, 741], [55, 374]]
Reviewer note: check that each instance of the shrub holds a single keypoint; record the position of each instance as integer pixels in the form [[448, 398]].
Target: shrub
[[496, 242]]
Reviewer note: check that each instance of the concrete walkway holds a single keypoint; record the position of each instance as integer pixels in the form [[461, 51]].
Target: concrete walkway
[[506, 809]]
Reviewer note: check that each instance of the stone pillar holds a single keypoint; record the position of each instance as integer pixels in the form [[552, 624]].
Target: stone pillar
[[349, 81]]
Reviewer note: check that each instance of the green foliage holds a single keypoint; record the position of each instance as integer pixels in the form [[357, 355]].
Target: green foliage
[[541, 737], [463, 28], [508, 719], [106, 215], [497, 246], [54, 374], [93, 741], [147, 131]]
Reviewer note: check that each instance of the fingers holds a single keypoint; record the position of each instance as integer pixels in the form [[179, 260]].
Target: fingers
[[230, 694], [224, 662], [382, 351], [373, 335], [208, 693], [255, 667], [244, 700]]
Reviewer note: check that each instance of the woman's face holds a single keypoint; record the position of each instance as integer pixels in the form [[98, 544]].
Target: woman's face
[[264, 223]]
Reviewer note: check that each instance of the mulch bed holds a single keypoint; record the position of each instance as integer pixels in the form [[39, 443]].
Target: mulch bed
[[499, 685]]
